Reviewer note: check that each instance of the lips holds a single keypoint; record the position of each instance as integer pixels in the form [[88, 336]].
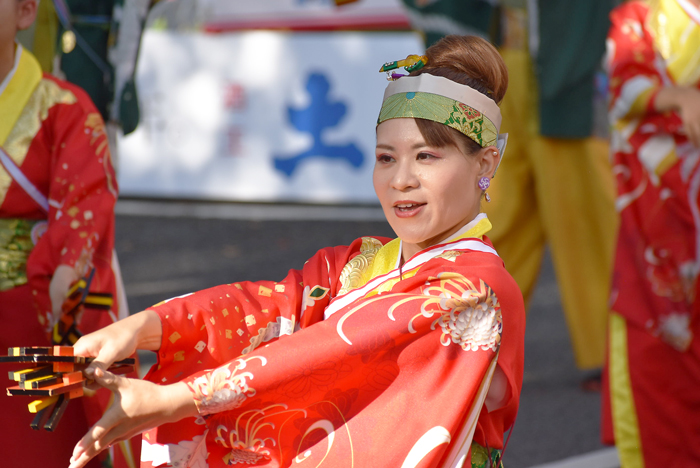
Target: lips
[[407, 209]]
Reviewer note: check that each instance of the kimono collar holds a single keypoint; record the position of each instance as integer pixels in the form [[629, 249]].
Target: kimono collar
[[385, 272], [389, 256], [17, 88]]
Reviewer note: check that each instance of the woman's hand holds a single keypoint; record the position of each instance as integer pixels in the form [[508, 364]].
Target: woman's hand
[[61, 280], [138, 406], [685, 101], [120, 340]]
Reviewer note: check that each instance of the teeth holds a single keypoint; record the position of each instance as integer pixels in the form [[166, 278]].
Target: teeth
[[406, 206]]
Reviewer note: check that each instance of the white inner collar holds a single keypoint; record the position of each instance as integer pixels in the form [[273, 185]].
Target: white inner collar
[[453, 237], [8, 78]]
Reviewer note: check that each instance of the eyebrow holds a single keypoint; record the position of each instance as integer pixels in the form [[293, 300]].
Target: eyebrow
[[391, 148]]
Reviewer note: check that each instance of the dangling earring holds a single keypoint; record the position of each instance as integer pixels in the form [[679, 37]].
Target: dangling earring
[[484, 183]]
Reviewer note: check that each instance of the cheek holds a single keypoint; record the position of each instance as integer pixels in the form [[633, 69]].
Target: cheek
[[457, 193], [378, 184]]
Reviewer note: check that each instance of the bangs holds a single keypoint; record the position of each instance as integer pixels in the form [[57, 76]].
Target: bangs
[[439, 135]]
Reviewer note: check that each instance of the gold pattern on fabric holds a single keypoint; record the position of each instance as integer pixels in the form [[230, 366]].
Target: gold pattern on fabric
[[450, 255], [624, 413], [15, 247], [677, 38], [454, 114], [358, 270], [46, 95]]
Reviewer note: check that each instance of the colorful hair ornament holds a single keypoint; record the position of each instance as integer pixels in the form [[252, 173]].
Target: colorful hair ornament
[[410, 64]]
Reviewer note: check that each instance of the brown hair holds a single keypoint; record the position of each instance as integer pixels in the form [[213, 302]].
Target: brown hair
[[467, 60]]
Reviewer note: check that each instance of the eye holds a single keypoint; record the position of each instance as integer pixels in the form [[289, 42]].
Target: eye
[[425, 156], [384, 158]]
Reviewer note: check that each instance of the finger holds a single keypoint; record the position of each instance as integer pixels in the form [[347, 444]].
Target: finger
[[93, 442], [104, 359], [107, 439], [90, 388], [80, 348], [107, 380], [694, 134], [118, 433]]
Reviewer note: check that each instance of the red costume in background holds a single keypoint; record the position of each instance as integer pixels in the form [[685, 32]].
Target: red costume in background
[[55, 136], [653, 405], [352, 361]]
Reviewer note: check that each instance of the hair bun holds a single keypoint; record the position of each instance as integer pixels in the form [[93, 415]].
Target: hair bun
[[471, 61]]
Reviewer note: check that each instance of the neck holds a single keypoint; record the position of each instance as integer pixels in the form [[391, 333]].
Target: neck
[[7, 59], [409, 250]]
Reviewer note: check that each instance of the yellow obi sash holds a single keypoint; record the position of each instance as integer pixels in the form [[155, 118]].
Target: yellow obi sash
[[15, 245]]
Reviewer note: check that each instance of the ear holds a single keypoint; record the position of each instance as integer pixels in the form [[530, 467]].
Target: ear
[[488, 159], [26, 13]]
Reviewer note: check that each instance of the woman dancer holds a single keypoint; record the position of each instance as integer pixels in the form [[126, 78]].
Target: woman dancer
[[384, 353], [652, 411]]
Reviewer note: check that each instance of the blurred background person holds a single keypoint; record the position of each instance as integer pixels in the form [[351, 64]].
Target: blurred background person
[[652, 408], [554, 186], [95, 46], [57, 196]]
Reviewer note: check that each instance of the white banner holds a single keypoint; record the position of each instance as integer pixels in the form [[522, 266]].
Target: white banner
[[259, 116]]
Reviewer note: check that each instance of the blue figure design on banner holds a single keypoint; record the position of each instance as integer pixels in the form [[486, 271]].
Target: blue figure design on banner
[[319, 115]]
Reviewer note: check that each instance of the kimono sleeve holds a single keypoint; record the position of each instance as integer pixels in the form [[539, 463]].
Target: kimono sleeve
[[631, 60], [420, 353], [82, 192], [83, 188], [208, 328]]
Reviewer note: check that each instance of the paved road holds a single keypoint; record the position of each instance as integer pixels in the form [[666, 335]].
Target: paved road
[[165, 256]]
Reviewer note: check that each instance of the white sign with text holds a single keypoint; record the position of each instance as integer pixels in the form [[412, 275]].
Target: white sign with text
[[259, 116]]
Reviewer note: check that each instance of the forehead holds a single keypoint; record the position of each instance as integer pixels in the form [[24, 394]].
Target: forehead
[[400, 131]]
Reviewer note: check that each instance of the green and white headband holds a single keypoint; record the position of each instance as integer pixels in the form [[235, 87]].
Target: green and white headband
[[442, 100]]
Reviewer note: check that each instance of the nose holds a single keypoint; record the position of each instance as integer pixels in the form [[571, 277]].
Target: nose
[[404, 177]]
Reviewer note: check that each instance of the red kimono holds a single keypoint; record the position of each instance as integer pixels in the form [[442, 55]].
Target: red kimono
[[652, 409], [351, 361], [52, 132]]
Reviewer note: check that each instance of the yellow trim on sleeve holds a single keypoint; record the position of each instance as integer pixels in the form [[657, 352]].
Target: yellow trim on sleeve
[[624, 414]]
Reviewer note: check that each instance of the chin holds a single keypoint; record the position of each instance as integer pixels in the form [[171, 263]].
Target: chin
[[410, 238]]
